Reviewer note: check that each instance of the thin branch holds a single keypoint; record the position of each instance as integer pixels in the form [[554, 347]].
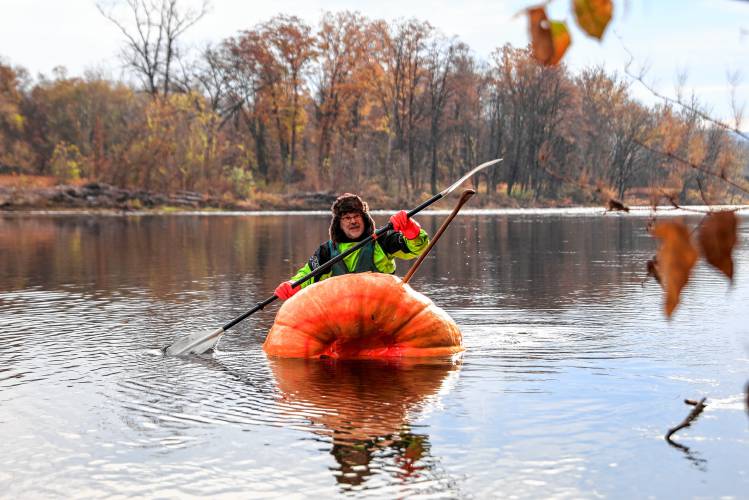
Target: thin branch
[[734, 79], [676, 206], [703, 194], [695, 166], [151, 36], [639, 78], [698, 407]]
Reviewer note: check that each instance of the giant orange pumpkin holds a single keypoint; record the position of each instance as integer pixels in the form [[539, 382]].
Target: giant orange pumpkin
[[365, 315]]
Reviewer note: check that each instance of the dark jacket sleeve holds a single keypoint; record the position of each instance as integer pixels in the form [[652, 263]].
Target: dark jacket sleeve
[[320, 257], [393, 242]]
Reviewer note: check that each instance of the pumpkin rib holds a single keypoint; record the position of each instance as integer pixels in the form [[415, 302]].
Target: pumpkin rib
[[438, 321], [322, 321], [309, 327]]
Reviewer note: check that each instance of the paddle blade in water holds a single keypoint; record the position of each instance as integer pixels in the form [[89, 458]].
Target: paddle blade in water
[[197, 343]]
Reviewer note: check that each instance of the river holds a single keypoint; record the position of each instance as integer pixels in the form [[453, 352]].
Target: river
[[570, 379]]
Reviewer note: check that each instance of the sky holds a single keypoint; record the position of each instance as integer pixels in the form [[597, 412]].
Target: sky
[[706, 40]]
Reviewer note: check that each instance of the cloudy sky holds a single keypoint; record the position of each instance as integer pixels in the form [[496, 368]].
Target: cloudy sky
[[705, 39]]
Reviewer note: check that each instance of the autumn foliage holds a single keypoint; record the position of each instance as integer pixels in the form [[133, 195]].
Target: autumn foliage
[[677, 252], [395, 109], [717, 237], [674, 261]]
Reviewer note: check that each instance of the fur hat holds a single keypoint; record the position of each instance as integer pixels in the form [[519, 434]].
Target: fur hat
[[344, 204]]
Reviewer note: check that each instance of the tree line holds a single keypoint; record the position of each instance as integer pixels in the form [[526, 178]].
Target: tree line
[[395, 110]]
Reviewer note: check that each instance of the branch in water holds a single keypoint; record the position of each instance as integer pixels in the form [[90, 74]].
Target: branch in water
[[698, 407]]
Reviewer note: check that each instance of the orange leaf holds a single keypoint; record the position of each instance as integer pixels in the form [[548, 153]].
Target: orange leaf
[[717, 238], [549, 39], [676, 257], [560, 39], [541, 41], [593, 15]]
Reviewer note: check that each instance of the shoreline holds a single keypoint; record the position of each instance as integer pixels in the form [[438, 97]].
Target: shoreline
[[635, 211], [96, 198]]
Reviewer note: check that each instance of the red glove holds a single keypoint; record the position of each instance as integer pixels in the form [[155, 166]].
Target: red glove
[[284, 290], [402, 223]]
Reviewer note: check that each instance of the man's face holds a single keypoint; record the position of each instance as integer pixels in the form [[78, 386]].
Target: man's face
[[352, 224]]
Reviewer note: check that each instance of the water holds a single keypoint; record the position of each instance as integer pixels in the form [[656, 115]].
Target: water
[[570, 379]]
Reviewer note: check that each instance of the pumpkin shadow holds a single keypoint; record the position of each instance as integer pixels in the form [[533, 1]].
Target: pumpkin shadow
[[365, 407]]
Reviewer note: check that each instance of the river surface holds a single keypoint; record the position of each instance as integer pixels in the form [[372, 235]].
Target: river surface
[[570, 379]]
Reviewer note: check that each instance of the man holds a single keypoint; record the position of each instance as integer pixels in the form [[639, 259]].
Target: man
[[352, 223]]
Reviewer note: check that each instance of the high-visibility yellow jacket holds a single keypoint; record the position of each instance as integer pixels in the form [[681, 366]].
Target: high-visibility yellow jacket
[[378, 255]]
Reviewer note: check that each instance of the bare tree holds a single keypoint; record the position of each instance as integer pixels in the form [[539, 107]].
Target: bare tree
[[401, 63], [252, 74], [632, 125], [152, 33], [292, 45], [439, 62], [213, 76], [342, 50]]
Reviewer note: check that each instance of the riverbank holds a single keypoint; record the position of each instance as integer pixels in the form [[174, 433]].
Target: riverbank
[[39, 193], [101, 196]]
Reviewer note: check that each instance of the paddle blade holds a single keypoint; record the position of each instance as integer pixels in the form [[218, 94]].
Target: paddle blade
[[197, 343], [468, 175]]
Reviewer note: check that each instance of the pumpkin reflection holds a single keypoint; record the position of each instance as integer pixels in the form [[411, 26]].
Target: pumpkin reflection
[[365, 407]]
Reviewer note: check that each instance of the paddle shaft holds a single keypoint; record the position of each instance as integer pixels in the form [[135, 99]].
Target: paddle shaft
[[462, 201], [329, 264]]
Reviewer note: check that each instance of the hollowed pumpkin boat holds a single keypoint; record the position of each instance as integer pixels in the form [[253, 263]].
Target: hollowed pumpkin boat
[[365, 315]]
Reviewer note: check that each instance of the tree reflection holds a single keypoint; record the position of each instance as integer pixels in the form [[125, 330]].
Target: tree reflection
[[366, 407]]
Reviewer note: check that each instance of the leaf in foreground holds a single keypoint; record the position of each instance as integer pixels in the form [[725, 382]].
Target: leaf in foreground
[[541, 42], [675, 259], [549, 39], [717, 238], [560, 40], [593, 15]]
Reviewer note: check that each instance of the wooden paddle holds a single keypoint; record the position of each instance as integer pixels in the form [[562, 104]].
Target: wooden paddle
[[462, 201], [198, 343]]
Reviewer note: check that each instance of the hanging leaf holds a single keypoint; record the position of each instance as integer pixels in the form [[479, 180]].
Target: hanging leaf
[[717, 238], [593, 15], [560, 39], [549, 39], [541, 42], [675, 259]]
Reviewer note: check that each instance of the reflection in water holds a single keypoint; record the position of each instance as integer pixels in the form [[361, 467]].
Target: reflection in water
[[692, 456], [365, 406], [407, 450]]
